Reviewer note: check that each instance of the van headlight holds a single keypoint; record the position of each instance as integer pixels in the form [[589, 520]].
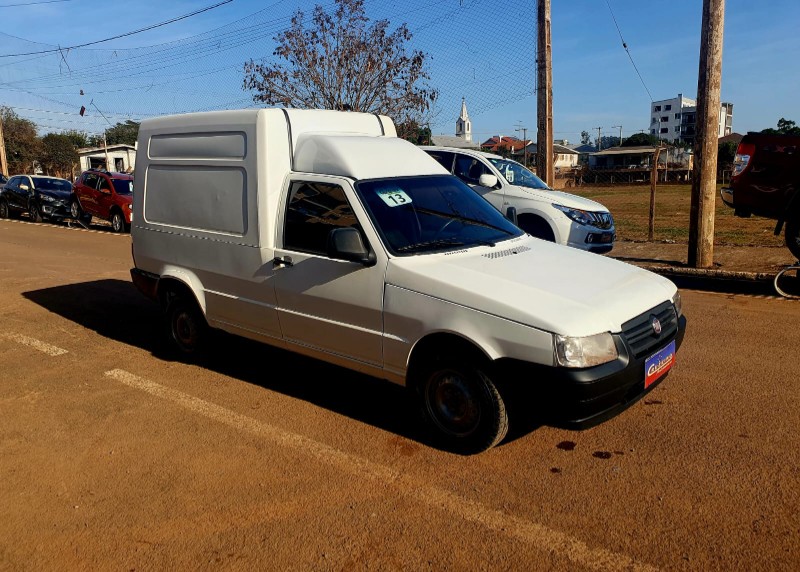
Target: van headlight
[[676, 301], [578, 215], [586, 351]]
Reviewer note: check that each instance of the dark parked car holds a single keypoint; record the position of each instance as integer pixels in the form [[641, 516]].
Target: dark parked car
[[40, 196], [104, 195]]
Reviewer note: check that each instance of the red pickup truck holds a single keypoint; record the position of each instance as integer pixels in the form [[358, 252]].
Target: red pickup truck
[[766, 182]]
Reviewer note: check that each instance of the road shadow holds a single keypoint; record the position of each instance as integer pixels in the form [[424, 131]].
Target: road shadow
[[116, 310]]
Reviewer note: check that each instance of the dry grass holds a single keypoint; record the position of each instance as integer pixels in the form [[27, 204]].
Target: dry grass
[[630, 206]]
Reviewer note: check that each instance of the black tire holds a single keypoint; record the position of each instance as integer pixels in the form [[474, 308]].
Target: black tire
[[34, 213], [793, 235], [537, 227], [76, 211], [462, 406], [117, 222], [4, 210], [186, 327]]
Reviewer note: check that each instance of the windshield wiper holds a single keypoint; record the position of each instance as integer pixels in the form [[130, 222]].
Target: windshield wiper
[[423, 245], [462, 219]]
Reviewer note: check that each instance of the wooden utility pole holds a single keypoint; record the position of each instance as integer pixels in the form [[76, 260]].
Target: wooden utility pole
[[544, 96], [653, 180], [599, 141], [704, 176], [3, 161]]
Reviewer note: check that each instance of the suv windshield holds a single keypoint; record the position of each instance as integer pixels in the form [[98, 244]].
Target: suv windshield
[[516, 174], [52, 184], [123, 186], [432, 213]]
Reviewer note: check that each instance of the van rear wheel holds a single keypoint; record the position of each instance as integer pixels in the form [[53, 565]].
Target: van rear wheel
[[187, 330]]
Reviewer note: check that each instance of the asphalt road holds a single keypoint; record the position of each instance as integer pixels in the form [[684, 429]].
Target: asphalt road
[[115, 457]]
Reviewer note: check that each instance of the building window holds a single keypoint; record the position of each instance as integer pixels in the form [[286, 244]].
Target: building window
[[677, 129], [665, 130], [656, 108], [667, 107], [677, 116], [652, 132], [664, 118]]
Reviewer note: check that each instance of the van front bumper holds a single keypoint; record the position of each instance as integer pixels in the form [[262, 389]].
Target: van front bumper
[[582, 398]]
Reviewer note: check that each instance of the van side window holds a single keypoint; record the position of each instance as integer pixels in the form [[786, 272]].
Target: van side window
[[315, 209], [469, 169]]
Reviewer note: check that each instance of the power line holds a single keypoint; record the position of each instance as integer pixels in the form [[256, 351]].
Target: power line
[[32, 3], [59, 49], [627, 51]]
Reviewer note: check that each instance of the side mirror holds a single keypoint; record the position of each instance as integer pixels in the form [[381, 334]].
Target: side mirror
[[346, 244], [511, 214], [487, 180], [24, 187]]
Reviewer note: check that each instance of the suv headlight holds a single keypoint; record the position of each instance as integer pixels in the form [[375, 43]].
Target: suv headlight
[[586, 351], [676, 301], [47, 198], [578, 215]]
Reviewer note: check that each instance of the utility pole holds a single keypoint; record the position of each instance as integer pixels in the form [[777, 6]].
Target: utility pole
[[3, 161], [704, 177], [524, 131], [620, 133], [599, 141], [544, 96]]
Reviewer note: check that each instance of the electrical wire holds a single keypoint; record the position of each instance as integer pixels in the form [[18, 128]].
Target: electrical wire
[[625, 45]]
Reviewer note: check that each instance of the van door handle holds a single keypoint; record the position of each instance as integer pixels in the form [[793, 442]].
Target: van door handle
[[282, 261]]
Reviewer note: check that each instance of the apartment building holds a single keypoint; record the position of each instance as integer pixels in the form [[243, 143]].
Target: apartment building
[[675, 119]]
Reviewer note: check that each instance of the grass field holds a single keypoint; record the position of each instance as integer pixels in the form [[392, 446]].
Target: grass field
[[630, 206]]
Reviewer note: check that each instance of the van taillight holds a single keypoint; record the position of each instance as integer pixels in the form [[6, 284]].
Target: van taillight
[[743, 154]]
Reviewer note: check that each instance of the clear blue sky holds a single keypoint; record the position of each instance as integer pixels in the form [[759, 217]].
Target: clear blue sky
[[482, 50]]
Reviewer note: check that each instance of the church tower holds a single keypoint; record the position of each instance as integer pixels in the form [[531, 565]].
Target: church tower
[[463, 124]]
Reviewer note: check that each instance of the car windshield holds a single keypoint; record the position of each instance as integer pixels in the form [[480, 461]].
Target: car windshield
[[432, 213], [52, 184], [516, 174], [123, 186]]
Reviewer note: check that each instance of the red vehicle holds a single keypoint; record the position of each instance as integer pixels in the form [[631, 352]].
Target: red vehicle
[[104, 195], [766, 183]]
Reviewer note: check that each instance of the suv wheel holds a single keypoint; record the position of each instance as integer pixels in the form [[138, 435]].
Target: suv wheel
[[34, 213], [117, 222]]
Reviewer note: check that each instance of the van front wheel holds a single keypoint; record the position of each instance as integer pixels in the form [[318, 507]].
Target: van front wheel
[[463, 407], [187, 329]]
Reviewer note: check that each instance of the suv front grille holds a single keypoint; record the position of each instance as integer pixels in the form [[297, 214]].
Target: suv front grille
[[641, 336], [602, 220]]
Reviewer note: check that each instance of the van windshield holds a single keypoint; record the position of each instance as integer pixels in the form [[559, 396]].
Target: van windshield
[[516, 174], [416, 215]]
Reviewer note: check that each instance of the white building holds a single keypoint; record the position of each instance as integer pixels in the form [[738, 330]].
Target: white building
[[674, 119], [463, 136], [121, 157]]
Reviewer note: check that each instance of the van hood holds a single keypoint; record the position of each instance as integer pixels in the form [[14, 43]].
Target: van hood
[[544, 285], [556, 197]]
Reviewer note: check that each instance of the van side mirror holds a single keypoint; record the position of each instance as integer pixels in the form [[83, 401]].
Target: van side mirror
[[346, 244], [487, 180], [511, 214]]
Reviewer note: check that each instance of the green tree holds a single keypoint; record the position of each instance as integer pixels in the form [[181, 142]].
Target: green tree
[[22, 143], [58, 155], [78, 138], [414, 132], [639, 139], [785, 127], [338, 62], [585, 138], [123, 133]]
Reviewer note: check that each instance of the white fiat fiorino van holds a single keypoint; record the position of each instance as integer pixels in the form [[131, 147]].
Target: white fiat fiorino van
[[323, 233]]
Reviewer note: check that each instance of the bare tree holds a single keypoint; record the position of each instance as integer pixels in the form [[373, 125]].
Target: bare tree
[[338, 62]]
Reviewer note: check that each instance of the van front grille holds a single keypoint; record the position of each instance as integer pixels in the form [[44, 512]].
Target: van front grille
[[641, 335]]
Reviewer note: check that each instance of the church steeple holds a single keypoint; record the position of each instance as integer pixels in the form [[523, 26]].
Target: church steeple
[[463, 124]]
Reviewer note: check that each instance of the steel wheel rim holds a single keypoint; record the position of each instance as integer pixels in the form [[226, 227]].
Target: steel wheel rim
[[73, 210], [184, 330], [116, 223], [452, 404]]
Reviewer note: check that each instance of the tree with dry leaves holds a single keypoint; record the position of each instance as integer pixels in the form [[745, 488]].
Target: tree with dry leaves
[[341, 62]]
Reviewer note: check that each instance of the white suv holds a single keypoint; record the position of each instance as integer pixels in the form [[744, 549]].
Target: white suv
[[540, 211]]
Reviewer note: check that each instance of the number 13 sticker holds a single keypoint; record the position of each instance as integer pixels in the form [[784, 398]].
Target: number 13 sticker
[[394, 197]]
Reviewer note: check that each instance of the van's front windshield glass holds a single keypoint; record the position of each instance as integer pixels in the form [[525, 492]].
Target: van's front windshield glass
[[424, 214], [516, 174]]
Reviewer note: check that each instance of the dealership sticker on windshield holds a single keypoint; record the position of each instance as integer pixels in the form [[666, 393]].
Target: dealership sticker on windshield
[[394, 197], [658, 364]]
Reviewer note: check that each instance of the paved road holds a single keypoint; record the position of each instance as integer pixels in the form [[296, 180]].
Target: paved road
[[114, 457]]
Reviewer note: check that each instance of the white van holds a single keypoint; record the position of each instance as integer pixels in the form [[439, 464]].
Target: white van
[[323, 233], [540, 211]]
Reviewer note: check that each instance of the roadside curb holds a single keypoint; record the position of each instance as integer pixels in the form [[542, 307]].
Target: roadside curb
[[726, 281]]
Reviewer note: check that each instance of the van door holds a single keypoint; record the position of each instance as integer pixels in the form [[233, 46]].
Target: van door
[[327, 305], [469, 169]]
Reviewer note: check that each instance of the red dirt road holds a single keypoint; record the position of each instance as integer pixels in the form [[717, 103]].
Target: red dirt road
[[114, 457]]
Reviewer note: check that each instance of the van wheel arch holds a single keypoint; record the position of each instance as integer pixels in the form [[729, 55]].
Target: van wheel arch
[[185, 325], [537, 226]]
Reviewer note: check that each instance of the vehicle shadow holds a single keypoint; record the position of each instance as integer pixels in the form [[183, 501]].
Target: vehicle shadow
[[137, 322]]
